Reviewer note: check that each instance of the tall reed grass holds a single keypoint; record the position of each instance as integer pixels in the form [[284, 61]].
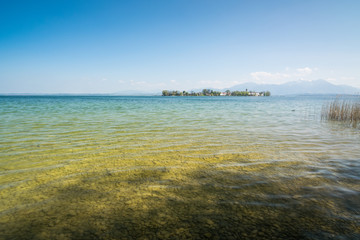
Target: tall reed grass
[[346, 110]]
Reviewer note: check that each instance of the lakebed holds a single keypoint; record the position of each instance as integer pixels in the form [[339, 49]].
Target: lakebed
[[102, 167]]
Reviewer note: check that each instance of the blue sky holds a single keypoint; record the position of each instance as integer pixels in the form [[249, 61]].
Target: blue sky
[[111, 46]]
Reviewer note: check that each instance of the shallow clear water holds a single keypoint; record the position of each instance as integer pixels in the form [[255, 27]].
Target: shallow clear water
[[176, 168]]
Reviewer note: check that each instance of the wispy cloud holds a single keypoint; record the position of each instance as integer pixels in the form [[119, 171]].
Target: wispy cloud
[[136, 83], [348, 78], [304, 71], [260, 76], [216, 84], [344, 80], [279, 77]]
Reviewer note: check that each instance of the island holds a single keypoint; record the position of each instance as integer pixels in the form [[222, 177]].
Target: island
[[209, 92]]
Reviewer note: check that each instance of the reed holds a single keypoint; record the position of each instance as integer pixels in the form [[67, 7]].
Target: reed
[[346, 110]]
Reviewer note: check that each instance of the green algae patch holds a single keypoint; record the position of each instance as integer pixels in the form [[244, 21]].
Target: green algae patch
[[129, 169], [166, 195]]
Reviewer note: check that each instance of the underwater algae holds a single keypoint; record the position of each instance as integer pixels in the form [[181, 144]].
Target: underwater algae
[[109, 168], [167, 196]]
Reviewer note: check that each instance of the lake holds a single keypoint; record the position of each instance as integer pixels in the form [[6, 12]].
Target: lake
[[109, 167]]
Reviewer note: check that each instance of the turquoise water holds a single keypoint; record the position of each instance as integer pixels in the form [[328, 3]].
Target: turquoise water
[[95, 167]]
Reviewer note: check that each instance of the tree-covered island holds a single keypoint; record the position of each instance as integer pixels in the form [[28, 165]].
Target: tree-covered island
[[209, 92]]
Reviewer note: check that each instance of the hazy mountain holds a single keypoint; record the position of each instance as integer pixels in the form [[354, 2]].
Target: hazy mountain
[[136, 93], [295, 87], [298, 87]]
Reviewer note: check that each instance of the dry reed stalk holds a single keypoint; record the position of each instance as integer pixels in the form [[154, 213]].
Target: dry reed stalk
[[343, 110]]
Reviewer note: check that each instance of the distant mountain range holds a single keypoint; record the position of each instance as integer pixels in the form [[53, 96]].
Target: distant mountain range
[[136, 93], [289, 88], [296, 87]]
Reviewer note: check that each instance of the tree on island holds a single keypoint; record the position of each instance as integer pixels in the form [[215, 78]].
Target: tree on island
[[209, 92]]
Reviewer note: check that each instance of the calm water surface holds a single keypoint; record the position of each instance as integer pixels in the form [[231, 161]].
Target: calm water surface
[[176, 168]]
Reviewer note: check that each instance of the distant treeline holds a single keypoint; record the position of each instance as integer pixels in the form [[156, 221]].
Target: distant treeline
[[209, 92]]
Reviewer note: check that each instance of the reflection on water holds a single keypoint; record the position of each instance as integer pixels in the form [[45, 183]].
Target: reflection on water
[[176, 168]]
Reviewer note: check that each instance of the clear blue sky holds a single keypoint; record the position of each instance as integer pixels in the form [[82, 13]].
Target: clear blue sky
[[110, 46]]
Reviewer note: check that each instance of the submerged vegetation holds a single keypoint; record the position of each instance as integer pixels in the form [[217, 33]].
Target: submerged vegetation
[[343, 110], [209, 92], [139, 168]]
